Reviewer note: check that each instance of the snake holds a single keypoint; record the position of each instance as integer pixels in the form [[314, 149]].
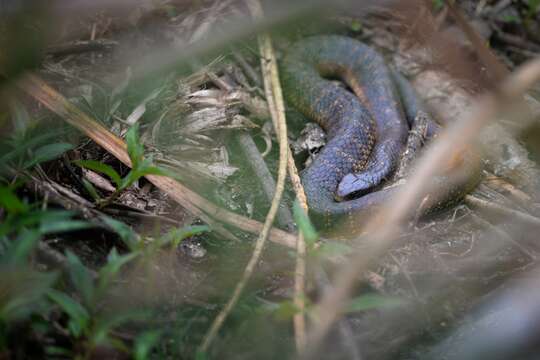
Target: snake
[[367, 122]]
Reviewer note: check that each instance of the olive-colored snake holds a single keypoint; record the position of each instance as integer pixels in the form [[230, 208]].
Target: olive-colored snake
[[366, 130]]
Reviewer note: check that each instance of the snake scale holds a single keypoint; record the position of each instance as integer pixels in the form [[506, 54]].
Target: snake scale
[[366, 127]]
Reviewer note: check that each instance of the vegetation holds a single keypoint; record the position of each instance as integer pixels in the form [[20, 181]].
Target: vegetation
[[128, 215]]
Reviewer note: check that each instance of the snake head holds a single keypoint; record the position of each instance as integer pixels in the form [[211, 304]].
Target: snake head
[[353, 183]]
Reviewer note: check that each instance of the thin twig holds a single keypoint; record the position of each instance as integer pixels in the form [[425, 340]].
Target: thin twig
[[277, 110], [502, 210], [504, 187], [384, 226], [191, 201], [273, 90], [300, 267], [503, 235], [248, 70]]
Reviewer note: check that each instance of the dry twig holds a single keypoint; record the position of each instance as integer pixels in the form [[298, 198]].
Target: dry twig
[[502, 210], [277, 110], [300, 268]]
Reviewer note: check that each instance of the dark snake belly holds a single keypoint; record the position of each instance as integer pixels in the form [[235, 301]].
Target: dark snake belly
[[366, 130]]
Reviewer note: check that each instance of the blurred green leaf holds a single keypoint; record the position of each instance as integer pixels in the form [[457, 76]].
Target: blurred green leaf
[[534, 6], [22, 246], [81, 279], [44, 221], [64, 226], [200, 355], [107, 322], [10, 201], [47, 153], [101, 168], [175, 236], [144, 344], [304, 224], [333, 248], [371, 301], [109, 271], [56, 352], [355, 25], [78, 316], [286, 310], [438, 4], [20, 143], [23, 291], [19, 115], [512, 19], [128, 236], [115, 106]]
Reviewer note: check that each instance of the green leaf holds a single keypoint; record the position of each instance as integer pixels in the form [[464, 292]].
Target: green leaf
[[115, 106], [22, 246], [144, 168], [144, 344], [110, 321], [23, 291], [370, 302], [534, 6], [81, 278], [201, 355], [304, 224], [286, 310], [134, 146], [511, 19], [91, 190], [175, 236], [128, 180], [100, 168], [78, 316], [10, 201], [128, 236], [58, 352], [355, 25], [47, 153], [438, 4], [115, 262], [153, 170], [19, 115], [64, 226], [44, 220], [109, 271], [21, 145], [333, 248]]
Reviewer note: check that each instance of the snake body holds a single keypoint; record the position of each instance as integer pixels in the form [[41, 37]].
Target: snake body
[[366, 128]]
